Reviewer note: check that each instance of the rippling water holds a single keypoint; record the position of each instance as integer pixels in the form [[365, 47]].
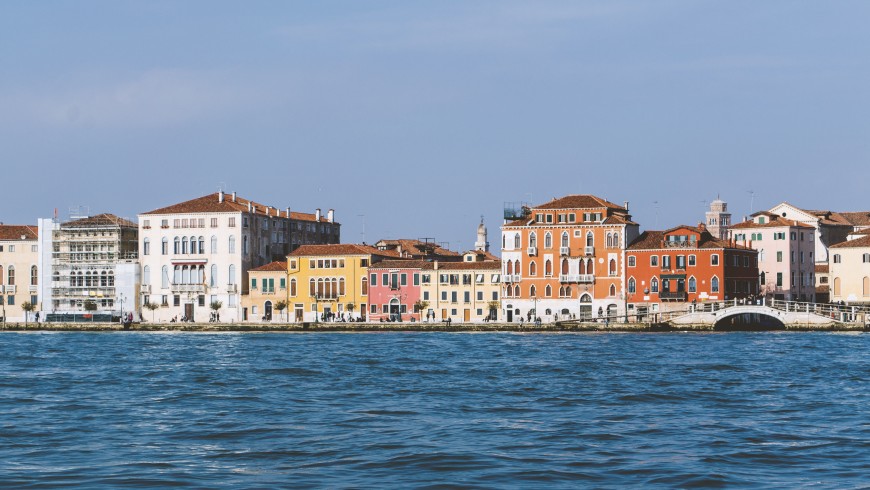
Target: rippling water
[[427, 409]]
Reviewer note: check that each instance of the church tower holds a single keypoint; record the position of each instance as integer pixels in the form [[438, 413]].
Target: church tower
[[718, 219], [481, 245]]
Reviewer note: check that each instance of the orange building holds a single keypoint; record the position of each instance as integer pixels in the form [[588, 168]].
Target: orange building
[[565, 258]]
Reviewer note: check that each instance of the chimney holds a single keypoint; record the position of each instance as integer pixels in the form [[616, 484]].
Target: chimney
[[317, 214], [220, 196], [330, 215], [626, 206], [288, 212], [268, 210], [436, 265], [249, 206], [234, 196]]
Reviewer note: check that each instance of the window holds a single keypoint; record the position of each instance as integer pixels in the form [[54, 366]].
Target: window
[[714, 259], [213, 280], [34, 276], [548, 291], [232, 275], [517, 244], [666, 261], [691, 260], [146, 246], [632, 286], [631, 260], [865, 258], [532, 290], [654, 285], [254, 283], [164, 246], [232, 244], [836, 260], [654, 261], [466, 296], [779, 256], [693, 285], [548, 240], [714, 285], [533, 269], [10, 274], [681, 261], [533, 240], [214, 244], [779, 279], [548, 268]]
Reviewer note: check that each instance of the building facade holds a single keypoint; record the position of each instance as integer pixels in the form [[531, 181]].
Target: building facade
[[565, 258], [467, 291], [19, 272], [667, 269], [267, 291], [199, 252], [718, 219], [830, 227], [395, 290], [89, 268], [849, 271], [785, 255]]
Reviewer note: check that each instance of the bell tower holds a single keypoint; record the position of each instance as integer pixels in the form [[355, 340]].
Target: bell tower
[[481, 245], [718, 219]]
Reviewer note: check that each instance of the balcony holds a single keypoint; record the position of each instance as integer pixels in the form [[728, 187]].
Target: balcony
[[516, 278], [586, 278], [146, 289], [188, 288], [9, 289], [673, 295], [589, 250], [507, 278], [232, 288], [569, 277], [33, 288], [564, 251], [532, 251]]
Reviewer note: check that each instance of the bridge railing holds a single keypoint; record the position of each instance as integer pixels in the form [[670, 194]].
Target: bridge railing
[[842, 313]]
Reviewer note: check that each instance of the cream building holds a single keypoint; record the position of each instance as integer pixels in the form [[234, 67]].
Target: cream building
[[849, 271], [467, 291], [19, 271], [198, 252]]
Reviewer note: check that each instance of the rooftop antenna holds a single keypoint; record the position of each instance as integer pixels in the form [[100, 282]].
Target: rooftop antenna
[[221, 186], [751, 201], [364, 227], [656, 204]]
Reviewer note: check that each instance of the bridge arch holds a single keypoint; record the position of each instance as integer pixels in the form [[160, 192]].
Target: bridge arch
[[743, 319]]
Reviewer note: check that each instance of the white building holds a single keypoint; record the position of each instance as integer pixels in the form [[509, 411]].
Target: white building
[[19, 271], [196, 254]]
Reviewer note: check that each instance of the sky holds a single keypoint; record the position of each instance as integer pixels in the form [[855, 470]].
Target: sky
[[414, 119]]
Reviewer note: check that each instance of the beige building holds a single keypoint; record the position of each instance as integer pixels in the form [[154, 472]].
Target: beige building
[[467, 291], [849, 271], [19, 271], [268, 287]]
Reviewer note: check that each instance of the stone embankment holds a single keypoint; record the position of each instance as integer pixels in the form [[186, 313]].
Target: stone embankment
[[396, 327]]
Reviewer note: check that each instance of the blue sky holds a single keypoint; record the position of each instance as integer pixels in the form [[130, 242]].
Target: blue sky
[[418, 117]]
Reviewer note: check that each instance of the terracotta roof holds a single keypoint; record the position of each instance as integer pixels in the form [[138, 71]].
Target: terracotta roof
[[775, 222], [654, 240], [277, 266], [211, 203], [579, 201], [15, 232], [864, 241], [105, 219], [821, 268], [341, 249], [494, 265], [417, 248], [401, 264], [823, 289], [860, 218], [484, 255]]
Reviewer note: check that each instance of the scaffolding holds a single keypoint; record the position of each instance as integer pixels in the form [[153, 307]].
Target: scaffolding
[[85, 254]]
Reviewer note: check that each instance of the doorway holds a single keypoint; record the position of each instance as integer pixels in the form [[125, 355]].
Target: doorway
[[268, 310], [188, 312]]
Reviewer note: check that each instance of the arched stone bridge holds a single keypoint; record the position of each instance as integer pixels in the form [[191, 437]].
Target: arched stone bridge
[[737, 314]]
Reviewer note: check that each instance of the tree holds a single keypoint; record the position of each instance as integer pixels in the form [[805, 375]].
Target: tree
[[281, 306], [420, 306], [215, 306], [91, 305], [493, 308], [351, 307], [152, 307], [27, 306]]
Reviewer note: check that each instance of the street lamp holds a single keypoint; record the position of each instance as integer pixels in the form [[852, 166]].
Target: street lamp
[[120, 300]]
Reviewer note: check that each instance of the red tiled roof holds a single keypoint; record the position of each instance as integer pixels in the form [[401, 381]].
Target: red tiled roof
[[485, 255], [341, 249], [579, 201], [277, 266], [654, 240], [15, 232], [821, 268], [775, 222], [401, 264], [212, 204], [416, 248], [105, 219], [494, 265], [864, 241], [860, 218]]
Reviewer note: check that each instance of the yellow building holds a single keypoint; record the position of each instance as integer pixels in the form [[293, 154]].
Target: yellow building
[[331, 281], [467, 291], [267, 288]]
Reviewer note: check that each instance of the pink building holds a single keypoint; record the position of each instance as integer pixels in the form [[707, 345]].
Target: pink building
[[394, 288]]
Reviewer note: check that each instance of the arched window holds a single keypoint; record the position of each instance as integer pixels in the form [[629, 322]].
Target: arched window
[[533, 291], [590, 266], [341, 286], [146, 275], [34, 276], [517, 270], [201, 245], [612, 267], [654, 285], [164, 246], [714, 285], [213, 280], [312, 287], [561, 291], [548, 268], [232, 244], [517, 244], [836, 286], [293, 286], [193, 245], [567, 291], [504, 242], [609, 240], [185, 275], [565, 266], [548, 240], [517, 291], [582, 266], [590, 241], [164, 277], [533, 268], [245, 245], [533, 239], [632, 286], [10, 274], [693, 284], [548, 291], [2, 277], [612, 290], [146, 246], [231, 278], [213, 244], [565, 239], [615, 240], [509, 268]]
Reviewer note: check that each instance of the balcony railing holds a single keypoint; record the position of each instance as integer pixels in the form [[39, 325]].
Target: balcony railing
[[533, 251], [679, 244], [146, 288], [516, 278], [507, 278], [589, 250], [673, 295], [188, 288], [33, 288], [9, 289], [232, 288], [564, 251], [586, 278], [569, 277]]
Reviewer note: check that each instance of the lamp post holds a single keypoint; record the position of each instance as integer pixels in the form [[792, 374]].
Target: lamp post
[[317, 298], [120, 300], [535, 308]]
